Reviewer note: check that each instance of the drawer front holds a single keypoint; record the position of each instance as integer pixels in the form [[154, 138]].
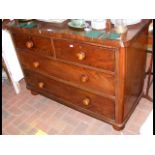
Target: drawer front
[[85, 54], [36, 44], [81, 77], [83, 99]]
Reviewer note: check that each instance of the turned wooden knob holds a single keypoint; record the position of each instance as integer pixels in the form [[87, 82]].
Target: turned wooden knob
[[41, 85], [36, 64], [81, 55], [84, 78], [86, 101], [29, 44]]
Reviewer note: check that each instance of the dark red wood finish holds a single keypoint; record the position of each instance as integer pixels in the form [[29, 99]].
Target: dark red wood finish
[[100, 77], [37, 44], [94, 56], [69, 73], [96, 104]]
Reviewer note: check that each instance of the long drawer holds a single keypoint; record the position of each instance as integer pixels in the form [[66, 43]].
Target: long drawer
[[36, 44], [81, 77], [78, 97], [94, 56]]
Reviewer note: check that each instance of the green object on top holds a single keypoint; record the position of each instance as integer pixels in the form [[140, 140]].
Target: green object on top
[[27, 25], [93, 34], [102, 34], [111, 35]]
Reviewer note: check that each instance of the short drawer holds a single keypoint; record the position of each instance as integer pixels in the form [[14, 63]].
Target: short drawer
[[91, 55], [81, 77], [36, 44], [75, 96]]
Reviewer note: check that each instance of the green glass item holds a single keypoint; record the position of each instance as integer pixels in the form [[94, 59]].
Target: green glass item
[[27, 25], [70, 24], [111, 35], [93, 34], [77, 22], [102, 35]]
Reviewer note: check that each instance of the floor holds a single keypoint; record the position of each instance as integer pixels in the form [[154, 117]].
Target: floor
[[25, 114]]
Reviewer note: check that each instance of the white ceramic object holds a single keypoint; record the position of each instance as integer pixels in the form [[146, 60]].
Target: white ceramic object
[[98, 24], [128, 21], [78, 22], [151, 27], [52, 20]]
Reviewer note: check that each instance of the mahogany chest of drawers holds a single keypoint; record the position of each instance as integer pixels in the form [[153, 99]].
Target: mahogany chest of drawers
[[100, 77]]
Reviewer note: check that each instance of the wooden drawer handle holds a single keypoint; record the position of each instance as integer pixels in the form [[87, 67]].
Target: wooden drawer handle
[[41, 85], [29, 44], [84, 78], [81, 55], [86, 101], [36, 64]]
